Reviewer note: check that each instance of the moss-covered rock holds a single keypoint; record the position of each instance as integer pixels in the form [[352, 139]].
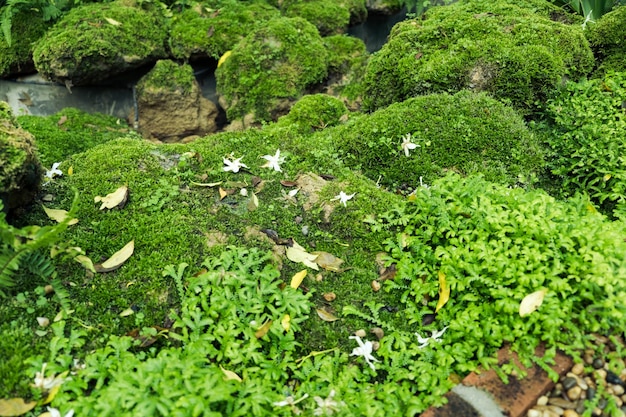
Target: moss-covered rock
[[315, 111], [329, 16], [516, 52], [20, 170], [468, 133], [70, 131], [96, 41], [211, 31], [346, 66], [386, 7], [171, 106], [271, 68], [17, 58], [607, 38]]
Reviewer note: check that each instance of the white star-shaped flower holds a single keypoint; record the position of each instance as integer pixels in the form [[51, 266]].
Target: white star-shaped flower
[[407, 145], [46, 384], [289, 401], [365, 350], [56, 413], [327, 406], [273, 161], [54, 171], [234, 165], [343, 197], [435, 337]]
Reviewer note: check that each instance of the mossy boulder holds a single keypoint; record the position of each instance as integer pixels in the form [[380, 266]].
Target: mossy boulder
[[329, 16], [203, 31], [467, 133], [313, 112], [20, 170], [17, 57], [607, 37], [96, 41], [385, 7], [516, 52], [271, 68], [171, 106], [347, 62]]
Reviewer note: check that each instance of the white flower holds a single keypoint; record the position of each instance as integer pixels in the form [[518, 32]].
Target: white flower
[[234, 165], [343, 197], [56, 413], [273, 161], [289, 401], [46, 384], [435, 337], [326, 406], [422, 184], [407, 145], [51, 173], [365, 350]]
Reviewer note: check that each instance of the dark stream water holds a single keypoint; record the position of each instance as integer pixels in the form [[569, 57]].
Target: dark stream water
[[33, 95]]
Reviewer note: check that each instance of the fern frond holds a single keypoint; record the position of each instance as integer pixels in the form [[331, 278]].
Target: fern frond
[[9, 264], [38, 264], [60, 292]]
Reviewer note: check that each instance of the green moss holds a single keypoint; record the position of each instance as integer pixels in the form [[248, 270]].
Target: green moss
[[211, 31], [69, 132], [315, 111], [517, 53], [26, 28], [170, 76], [344, 53], [95, 41], [467, 133], [606, 37], [328, 16], [273, 64]]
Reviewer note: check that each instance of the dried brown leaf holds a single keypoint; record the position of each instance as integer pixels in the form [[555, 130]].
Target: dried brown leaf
[[15, 407], [328, 261], [326, 316]]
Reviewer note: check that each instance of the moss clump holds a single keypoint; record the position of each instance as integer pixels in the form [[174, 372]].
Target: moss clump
[[95, 41], [211, 31], [346, 65], [329, 16], [270, 67], [315, 111], [168, 75], [515, 52], [26, 28], [606, 37], [69, 132], [20, 169], [466, 133]]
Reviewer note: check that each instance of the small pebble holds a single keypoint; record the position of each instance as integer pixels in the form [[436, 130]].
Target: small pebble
[[560, 402], [597, 363], [534, 413], [574, 393], [578, 369], [360, 333], [602, 403], [569, 382], [543, 400], [612, 378], [570, 413], [601, 375], [591, 392]]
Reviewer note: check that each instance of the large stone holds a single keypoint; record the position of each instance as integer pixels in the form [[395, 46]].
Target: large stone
[[20, 170], [96, 41], [171, 105]]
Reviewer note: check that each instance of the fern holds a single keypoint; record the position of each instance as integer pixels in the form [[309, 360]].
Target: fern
[[372, 318], [49, 9]]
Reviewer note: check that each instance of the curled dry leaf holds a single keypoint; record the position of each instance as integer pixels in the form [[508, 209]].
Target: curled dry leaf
[[531, 302], [253, 203], [262, 331], [296, 253], [115, 199], [205, 184], [328, 261], [230, 375], [375, 286], [444, 291], [286, 183], [112, 21], [329, 296], [85, 261], [326, 316], [15, 407], [57, 215], [360, 333], [378, 332], [296, 280], [387, 272], [117, 259], [127, 312]]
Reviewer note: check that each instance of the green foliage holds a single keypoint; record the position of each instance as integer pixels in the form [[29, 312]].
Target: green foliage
[[516, 52], [314, 112], [49, 9], [606, 37], [585, 133], [590, 9], [163, 195], [466, 133], [330, 17]]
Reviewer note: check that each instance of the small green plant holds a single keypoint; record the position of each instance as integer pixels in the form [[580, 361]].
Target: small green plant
[[177, 274], [49, 9], [162, 195], [591, 9]]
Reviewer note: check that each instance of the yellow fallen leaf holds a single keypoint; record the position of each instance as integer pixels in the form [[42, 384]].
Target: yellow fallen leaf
[[223, 58], [15, 407], [444, 291], [115, 199], [326, 316], [85, 261], [296, 280], [296, 253], [531, 302], [70, 170], [262, 331], [253, 203], [57, 215], [230, 375], [112, 21], [117, 259], [205, 184], [127, 312], [328, 261], [223, 193], [286, 322]]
